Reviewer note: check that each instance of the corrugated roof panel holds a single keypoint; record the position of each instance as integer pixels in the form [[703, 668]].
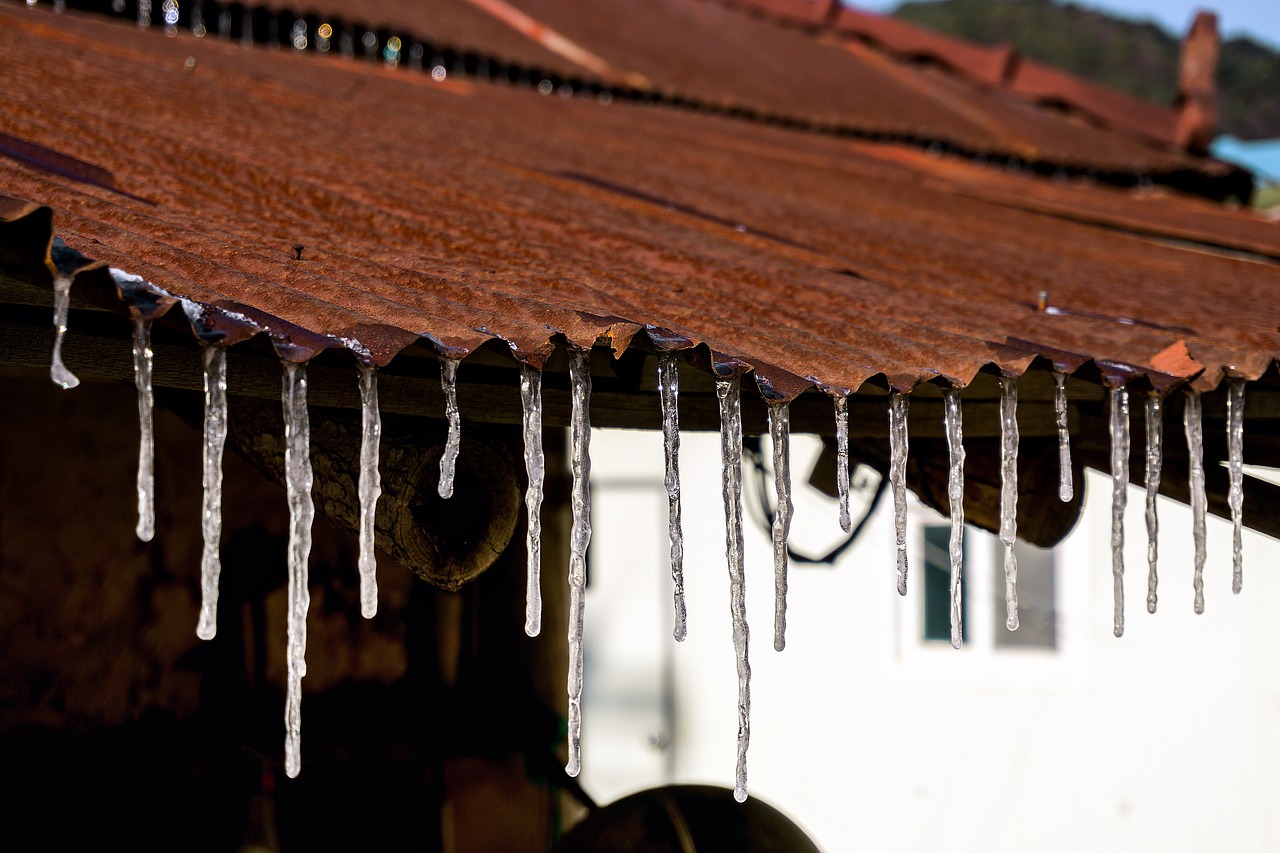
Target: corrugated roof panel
[[477, 211]]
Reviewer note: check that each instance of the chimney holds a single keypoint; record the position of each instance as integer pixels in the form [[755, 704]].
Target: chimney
[[1197, 85]]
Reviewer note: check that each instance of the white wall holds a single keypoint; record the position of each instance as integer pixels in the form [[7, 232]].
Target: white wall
[[1166, 739]]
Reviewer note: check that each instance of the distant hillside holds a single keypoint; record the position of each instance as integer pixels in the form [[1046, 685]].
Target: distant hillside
[[1138, 58]]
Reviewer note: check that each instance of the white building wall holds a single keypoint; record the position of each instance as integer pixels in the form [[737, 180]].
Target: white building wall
[[1166, 739]]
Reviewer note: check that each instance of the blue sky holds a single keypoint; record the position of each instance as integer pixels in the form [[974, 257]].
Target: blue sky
[[1259, 19]]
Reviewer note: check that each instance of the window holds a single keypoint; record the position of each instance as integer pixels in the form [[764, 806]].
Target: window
[[936, 568]]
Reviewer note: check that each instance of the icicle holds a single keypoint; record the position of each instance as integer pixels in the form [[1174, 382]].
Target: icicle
[[146, 445], [780, 435], [842, 460], [1119, 496], [1193, 425], [297, 466], [370, 488], [898, 479], [1155, 456], [580, 538], [729, 393], [449, 460], [1235, 467], [954, 421], [1009, 495], [535, 469], [1066, 489], [215, 438], [669, 391], [61, 304]]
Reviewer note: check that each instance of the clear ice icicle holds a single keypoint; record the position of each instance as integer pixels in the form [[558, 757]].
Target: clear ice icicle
[[61, 305], [669, 391], [449, 459], [954, 421], [1066, 489], [147, 443], [780, 435], [1009, 495], [1155, 457], [898, 480], [1193, 425], [215, 438], [842, 460], [579, 540], [728, 391], [1235, 468], [297, 467], [370, 488], [535, 469], [1119, 496]]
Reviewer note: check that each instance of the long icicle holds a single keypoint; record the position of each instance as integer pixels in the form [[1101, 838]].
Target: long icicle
[[535, 469], [1155, 457], [728, 391], [669, 391], [1009, 495], [954, 422], [780, 435], [1066, 489], [1119, 497], [1193, 425], [297, 466], [449, 459], [580, 539], [147, 444], [370, 488], [898, 479], [215, 439], [1235, 469], [842, 460], [61, 306]]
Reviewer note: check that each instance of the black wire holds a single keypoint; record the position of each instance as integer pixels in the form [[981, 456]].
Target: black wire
[[762, 496]]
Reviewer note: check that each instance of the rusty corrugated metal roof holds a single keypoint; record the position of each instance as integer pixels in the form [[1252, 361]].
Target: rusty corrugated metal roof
[[458, 213], [717, 53]]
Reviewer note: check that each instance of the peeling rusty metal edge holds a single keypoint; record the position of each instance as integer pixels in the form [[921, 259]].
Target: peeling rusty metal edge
[[224, 323]]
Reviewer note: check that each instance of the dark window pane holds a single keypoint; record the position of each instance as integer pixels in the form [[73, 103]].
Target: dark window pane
[[937, 584]]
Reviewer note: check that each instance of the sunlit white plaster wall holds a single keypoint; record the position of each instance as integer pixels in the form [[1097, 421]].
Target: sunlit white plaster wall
[[1165, 739]]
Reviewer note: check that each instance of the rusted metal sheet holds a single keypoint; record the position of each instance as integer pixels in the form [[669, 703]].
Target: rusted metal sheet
[[463, 214], [1118, 110], [719, 53], [457, 24], [988, 65]]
